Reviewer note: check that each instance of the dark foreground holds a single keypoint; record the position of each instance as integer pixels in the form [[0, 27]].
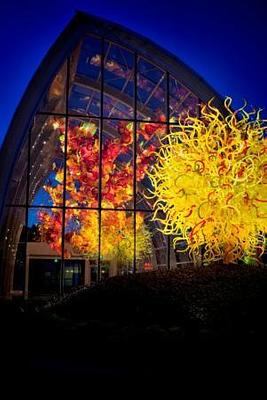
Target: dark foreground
[[206, 325]]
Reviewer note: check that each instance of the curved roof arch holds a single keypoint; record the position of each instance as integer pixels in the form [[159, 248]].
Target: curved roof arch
[[63, 47]]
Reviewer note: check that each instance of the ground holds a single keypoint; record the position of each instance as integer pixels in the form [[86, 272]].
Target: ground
[[178, 325]]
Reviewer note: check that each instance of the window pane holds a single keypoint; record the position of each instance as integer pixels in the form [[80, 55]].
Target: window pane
[[182, 101], [84, 100], [13, 251], [117, 164], [73, 274], [55, 97], [148, 142], [151, 244], [151, 91], [81, 247], [44, 250], [181, 254], [115, 108], [17, 185], [117, 243], [85, 78], [118, 82], [82, 163], [89, 61], [47, 161]]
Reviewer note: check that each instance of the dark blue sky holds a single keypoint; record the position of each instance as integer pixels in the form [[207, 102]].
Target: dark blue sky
[[224, 41]]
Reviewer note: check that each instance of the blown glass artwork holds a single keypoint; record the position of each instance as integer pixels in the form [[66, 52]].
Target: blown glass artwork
[[210, 184], [82, 191]]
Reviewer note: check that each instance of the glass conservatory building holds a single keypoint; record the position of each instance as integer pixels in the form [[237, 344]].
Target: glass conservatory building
[[74, 186]]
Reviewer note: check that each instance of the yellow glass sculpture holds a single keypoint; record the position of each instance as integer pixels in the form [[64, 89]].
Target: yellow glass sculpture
[[210, 184]]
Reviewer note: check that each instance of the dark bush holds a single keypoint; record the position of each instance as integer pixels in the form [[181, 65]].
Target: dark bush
[[225, 298]]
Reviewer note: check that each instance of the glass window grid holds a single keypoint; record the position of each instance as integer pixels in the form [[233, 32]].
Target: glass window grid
[[67, 115]]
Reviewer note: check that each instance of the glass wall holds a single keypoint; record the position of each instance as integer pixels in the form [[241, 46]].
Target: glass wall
[[78, 207]]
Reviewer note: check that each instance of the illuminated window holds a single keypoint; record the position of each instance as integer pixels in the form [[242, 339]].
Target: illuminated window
[[76, 208]]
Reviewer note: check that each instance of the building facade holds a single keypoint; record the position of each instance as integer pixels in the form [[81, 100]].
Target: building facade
[[74, 203]]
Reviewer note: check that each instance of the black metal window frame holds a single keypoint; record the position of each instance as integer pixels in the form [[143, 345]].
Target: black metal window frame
[[101, 118]]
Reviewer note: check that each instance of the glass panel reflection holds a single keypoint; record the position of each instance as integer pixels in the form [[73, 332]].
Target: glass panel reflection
[[32, 252], [113, 108], [47, 161], [117, 164], [81, 247], [17, 185], [85, 78], [182, 102], [82, 169], [89, 62], [84, 100], [151, 91], [81, 234], [151, 244], [117, 243], [181, 254], [44, 249], [118, 82], [73, 274], [148, 143], [13, 251], [55, 98]]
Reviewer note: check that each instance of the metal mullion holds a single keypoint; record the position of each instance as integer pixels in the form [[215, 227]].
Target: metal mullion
[[96, 117], [100, 159], [25, 295], [32, 206], [107, 209], [61, 277], [134, 156], [168, 261], [80, 208]]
